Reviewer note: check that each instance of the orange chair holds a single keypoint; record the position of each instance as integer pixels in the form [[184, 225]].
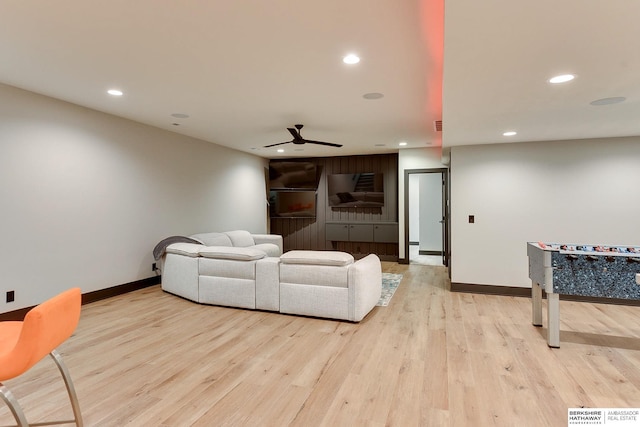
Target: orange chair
[[23, 344]]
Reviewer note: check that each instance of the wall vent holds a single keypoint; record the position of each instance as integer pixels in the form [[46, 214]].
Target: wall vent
[[437, 125]]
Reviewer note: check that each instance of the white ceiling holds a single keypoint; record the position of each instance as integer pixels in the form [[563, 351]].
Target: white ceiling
[[246, 70], [499, 55]]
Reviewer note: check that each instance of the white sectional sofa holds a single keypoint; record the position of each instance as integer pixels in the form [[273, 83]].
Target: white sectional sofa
[[238, 269]]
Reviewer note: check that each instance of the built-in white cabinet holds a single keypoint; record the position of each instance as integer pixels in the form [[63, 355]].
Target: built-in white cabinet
[[377, 232]]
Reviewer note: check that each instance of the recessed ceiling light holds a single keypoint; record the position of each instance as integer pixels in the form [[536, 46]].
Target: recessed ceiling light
[[114, 92], [180, 116], [280, 150], [510, 133], [563, 78], [372, 95], [608, 101], [351, 59], [402, 144]]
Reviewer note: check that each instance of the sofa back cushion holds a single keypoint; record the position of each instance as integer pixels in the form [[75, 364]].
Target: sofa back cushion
[[213, 239], [314, 275], [187, 249], [240, 238], [269, 248], [333, 258], [226, 252]]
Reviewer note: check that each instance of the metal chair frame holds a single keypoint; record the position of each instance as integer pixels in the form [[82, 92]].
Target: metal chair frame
[[18, 413]]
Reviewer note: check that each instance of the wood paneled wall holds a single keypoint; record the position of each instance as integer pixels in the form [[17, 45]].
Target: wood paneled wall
[[309, 233]]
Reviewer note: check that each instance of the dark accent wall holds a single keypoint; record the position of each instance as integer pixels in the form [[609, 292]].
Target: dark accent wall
[[309, 233]]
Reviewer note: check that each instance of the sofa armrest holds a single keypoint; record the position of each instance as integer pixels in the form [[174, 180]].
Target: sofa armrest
[[365, 286], [268, 238], [180, 275]]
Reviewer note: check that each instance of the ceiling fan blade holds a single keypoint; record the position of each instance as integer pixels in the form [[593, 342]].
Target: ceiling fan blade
[[330, 144], [279, 143], [299, 140], [295, 133]]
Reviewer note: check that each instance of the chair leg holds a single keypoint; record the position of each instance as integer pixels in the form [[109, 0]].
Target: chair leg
[[70, 388], [14, 406], [17, 412]]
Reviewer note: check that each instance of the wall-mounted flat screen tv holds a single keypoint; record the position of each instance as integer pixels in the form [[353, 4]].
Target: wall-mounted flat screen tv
[[355, 190], [292, 204], [292, 175]]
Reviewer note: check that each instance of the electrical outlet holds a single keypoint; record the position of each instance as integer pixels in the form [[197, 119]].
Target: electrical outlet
[[154, 267], [11, 296], [472, 219]]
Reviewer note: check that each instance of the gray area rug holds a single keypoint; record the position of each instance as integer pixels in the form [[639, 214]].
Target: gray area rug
[[390, 283]]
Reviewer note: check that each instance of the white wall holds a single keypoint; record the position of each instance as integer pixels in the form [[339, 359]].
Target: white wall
[[567, 192], [85, 196], [413, 158]]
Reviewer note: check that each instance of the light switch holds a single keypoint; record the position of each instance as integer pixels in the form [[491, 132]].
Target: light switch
[[472, 219]]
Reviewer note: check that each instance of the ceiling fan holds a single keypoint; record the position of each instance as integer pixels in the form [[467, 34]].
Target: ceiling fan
[[299, 140]]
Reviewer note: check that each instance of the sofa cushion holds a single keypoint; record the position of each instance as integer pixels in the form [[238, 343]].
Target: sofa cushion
[[317, 258], [240, 238], [187, 249], [228, 268], [315, 275], [213, 239], [229, 252], [268, 248]]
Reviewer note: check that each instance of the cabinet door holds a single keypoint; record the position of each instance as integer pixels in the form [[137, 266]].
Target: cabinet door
[[385, 233], [361, 232], [336, 232]]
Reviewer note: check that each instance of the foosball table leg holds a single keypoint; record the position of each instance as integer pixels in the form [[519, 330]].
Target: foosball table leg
[[553, 320], [536, 304]]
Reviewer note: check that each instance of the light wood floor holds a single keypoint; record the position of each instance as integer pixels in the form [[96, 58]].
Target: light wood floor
[[431, 358]]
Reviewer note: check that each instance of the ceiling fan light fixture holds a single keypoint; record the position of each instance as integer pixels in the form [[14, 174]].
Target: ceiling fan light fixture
[[351, 59], [562, 78]]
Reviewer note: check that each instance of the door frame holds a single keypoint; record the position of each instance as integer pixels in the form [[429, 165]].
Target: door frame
[[444, 173]]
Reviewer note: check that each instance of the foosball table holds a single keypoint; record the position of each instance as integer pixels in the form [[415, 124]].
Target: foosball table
[[580, 270]]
